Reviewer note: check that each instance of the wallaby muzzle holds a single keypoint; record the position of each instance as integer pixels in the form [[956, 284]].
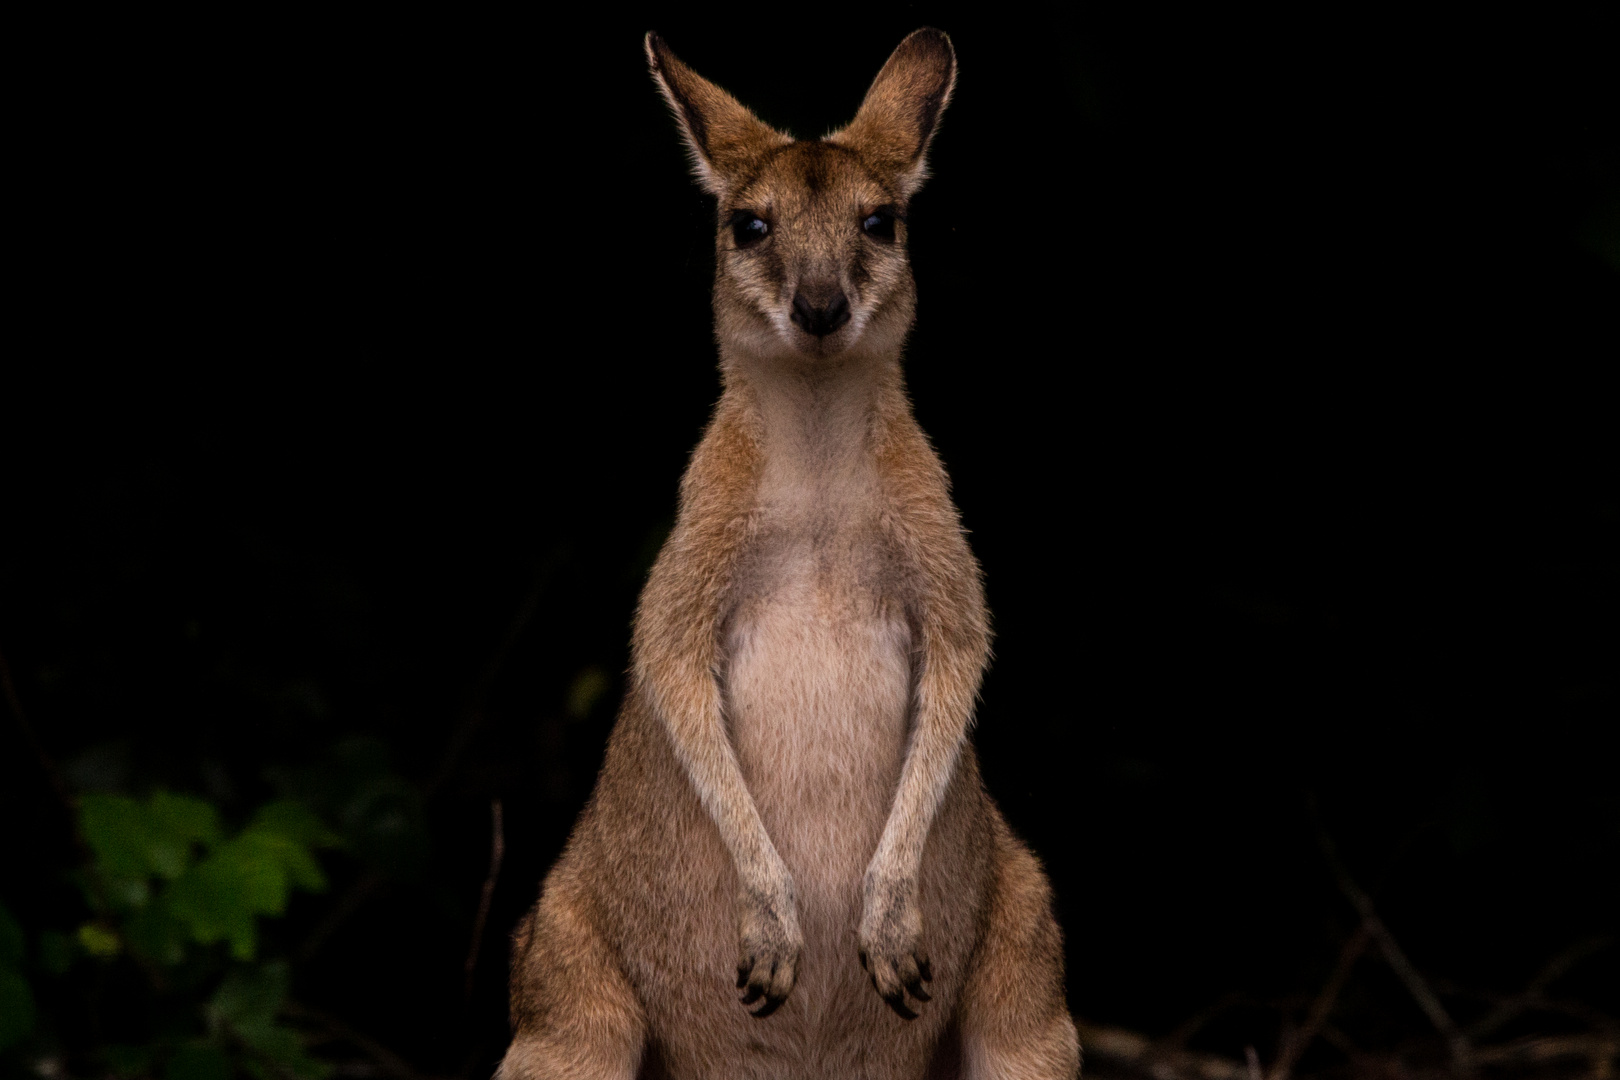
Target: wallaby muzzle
[[823, 314]]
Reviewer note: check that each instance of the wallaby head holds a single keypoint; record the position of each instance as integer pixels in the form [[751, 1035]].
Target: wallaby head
[[810, 249]]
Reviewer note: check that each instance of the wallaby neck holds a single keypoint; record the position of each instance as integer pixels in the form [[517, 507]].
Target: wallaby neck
[[815, 419]]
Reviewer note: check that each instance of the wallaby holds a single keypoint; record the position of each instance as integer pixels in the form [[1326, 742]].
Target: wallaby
[[790, 813]]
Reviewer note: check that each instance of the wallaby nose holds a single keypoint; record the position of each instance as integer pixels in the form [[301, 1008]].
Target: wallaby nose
[[822, 320]]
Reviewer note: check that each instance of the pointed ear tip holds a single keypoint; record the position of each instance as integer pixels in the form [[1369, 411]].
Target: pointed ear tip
[[655, 48], [930, 36]]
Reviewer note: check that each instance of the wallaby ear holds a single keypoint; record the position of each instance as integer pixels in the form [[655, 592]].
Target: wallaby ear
[[896, 121], [723, 138]]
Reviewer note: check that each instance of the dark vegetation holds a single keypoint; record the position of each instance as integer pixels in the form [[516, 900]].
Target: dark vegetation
[[358, 360]]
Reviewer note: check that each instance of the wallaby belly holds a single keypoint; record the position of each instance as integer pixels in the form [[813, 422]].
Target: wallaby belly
[[817, 691], [817, 684]]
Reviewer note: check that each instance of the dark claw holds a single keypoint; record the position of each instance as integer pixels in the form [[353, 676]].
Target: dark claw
[[917, 990], [863, 961], [897, 1002], [742, 977], [770, 1006], [926, 970], [753, 995]]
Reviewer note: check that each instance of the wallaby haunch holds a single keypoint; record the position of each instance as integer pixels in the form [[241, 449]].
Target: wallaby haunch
[[790, 814]]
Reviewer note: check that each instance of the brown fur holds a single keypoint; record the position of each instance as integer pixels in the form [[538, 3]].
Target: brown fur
[[789, 796]]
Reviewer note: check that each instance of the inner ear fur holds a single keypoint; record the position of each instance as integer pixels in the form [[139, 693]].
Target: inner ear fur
[[902, 109], [724, 139]]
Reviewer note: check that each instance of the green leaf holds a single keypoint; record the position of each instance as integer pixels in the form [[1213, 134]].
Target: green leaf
[[198, 1061], [215, 901], [185, 817], [256, 862], [174, 823], [296, 822], [294, 859], [11, 940], [16, 1008], [115, 828], [286, 1050], [246, 1006], [127, 894], [97, 940], [133, 841], [244, 877], [378, 813]]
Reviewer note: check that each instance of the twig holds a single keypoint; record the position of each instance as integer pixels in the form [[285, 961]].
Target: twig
[[1163, 1063], [1342, 1043], [497, 849], [1289, 1053], [1595, 1048], [1195, 1023], [1461, 1050], [382, 1057], [1533, 994]]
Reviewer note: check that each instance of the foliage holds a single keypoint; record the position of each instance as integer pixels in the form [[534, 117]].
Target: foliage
[[378, 812], [178, 895], [166, 877]]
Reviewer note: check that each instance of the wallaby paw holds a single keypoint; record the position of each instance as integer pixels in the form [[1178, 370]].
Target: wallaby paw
[[891, 946], [768, 961]]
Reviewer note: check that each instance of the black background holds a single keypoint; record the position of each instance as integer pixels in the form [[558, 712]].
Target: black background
[[1268, 352]]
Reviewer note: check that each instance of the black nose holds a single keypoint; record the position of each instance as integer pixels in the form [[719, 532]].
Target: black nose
[[820, 321]]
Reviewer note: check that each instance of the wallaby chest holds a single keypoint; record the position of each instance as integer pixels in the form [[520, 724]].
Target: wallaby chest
[[818, 666]]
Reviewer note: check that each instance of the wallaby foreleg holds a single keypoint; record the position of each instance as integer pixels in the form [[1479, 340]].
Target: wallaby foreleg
[[953, 647], [676, 655], [891, 931]]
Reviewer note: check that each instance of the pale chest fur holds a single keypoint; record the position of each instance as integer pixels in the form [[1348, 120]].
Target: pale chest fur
[[818, 674]]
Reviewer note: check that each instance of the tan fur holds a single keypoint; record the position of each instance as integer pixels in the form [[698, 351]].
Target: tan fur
[[789, 795]]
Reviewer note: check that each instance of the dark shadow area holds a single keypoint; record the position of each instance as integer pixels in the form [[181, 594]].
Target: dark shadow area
[[357, 360]]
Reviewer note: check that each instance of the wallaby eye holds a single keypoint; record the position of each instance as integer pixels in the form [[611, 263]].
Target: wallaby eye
[[879, 225], [748, 228]]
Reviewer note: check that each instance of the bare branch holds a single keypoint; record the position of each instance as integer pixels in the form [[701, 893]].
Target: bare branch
[[1461, 1051], [1195, 1023], [1533, 995], [1602, 1051], [1288, 1054], [1164, 1063], [497, 849]]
